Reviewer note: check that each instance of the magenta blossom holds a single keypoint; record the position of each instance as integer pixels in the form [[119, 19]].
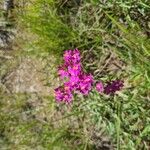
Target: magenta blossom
[[79, 81], [59, 94], [67, 56], [100, 87], [68, 87], [87, 78], [75, 70], [74, 82], [113, 87], [85, 84], [62, 72], [76, 56], [67, 97], [62, 94], [71, 57], [84, 88]]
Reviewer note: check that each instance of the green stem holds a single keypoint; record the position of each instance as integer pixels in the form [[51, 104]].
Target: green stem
[[118, 125]]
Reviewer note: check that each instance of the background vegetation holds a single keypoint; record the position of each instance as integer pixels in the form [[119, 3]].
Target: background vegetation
[[113, 37]]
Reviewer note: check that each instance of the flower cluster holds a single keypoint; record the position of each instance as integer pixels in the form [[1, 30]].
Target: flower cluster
[[78, 80], [113, 87]]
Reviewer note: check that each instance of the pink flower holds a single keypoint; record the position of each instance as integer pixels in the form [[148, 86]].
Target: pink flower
[[74, 70], [113, 86], [74, 81], [62, 72], [76, 56], [67, 97], [77, 80], [85, 84], [62, 94], [84, 88], [67, 55], [100, 87], [59, 94], [68, 87], [87, 78], [72, 57]]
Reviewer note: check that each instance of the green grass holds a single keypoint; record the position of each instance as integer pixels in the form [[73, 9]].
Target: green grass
[[41, 18], [113, 38]]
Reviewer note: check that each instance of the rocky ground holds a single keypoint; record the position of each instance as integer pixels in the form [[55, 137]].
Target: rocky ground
[[27, 77]]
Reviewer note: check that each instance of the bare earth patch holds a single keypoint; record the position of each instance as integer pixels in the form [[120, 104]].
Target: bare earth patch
[[29, 77]]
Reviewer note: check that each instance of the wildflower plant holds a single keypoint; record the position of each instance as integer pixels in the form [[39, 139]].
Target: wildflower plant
[[78, 81]]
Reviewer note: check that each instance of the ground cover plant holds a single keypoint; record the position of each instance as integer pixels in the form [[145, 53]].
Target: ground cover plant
[[78, 81], [106, 104]]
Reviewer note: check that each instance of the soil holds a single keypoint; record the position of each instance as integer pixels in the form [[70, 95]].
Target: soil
[[29, 77]]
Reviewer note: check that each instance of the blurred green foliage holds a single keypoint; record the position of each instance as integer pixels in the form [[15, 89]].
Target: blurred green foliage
[[41, 18]]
